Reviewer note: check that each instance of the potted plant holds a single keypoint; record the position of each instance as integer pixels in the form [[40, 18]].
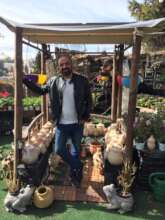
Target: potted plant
[[126, 177]]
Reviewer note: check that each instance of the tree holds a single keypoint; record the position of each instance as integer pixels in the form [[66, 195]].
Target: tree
[[37, 64], [149, 9]]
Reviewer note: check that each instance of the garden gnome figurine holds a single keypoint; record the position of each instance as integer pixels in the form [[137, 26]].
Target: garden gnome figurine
[[151, 143]]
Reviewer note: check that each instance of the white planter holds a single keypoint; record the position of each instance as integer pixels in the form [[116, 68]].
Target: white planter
[[30, 107], [161, 146], [138, 145], [37, 108], [25, 108], [10, 108]]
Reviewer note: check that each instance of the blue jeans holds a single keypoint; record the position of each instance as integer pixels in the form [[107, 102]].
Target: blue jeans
[[70, 156]]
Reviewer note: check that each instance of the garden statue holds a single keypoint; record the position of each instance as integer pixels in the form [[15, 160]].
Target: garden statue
[[123, 201], [151, 143], [98, 160], [18, 202], [123, 204]]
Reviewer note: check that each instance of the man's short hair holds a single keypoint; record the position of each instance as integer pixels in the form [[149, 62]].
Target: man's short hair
[[65, 55]]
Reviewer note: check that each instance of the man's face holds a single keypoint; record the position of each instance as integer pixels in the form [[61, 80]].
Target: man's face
[[65, 66]]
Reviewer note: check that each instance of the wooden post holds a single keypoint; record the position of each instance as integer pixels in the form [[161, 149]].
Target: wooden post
[[44, 105], [18, 109], [120, 72], [114, 90], [133, 91]]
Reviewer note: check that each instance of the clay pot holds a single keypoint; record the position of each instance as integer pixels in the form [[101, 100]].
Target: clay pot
[[41, 135], [38, 144], [44, 130], [83, 152], [122, 139], [91, 128], [100, 128], [43, 197], [85, 131], [42, 148], [115, 156], [30, 153], [48, 125]]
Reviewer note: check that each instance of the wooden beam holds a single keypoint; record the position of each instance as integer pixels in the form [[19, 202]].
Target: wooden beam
[[31, 45], [127, 47], [18, 109], [133, 92], [114, 90], [44, 104], [120, 72]]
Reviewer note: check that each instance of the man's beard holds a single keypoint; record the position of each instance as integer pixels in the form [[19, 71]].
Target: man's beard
[[66, 72]]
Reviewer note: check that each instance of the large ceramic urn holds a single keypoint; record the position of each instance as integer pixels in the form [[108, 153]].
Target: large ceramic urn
[[115, 155]]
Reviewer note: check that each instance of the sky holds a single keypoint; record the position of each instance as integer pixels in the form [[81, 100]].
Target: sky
[[56, 11]]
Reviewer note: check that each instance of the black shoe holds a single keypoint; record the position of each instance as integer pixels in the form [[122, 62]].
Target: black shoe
[[79, 174], [76, 176], [75, 182]]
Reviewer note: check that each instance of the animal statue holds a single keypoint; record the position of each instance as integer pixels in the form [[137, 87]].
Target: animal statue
[[122, 204], [98, 159], [18, 202], [7, 162]]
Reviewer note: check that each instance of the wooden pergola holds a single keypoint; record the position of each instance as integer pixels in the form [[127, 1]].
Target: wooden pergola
[[120, 34]]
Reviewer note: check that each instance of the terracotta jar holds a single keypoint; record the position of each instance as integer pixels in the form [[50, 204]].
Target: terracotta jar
[[115, 156], [48, 125], [100, 128], [44, 130], [43, 197], [83, 152], [30, 153], [91, 128]]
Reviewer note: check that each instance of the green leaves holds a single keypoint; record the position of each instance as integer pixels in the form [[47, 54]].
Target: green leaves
[[31, 101], [6, 101], [150, 9], [153, 102], [28, 101]]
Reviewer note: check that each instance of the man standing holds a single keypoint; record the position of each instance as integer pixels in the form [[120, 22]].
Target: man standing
[[71, 101]]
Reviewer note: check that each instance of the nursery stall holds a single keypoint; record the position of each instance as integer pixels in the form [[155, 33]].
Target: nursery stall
[[123, 35]]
